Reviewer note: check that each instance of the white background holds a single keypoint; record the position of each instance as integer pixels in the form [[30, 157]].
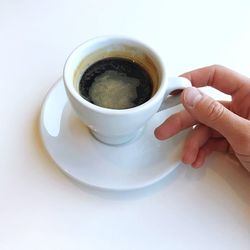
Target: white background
[[40, 208]]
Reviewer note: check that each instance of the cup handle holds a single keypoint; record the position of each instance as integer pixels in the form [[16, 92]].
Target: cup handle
[[174, 83]]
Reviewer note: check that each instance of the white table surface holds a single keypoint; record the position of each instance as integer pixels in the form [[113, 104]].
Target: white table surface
[[40, 208]]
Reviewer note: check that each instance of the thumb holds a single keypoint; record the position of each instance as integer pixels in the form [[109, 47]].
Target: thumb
[[213, 114]]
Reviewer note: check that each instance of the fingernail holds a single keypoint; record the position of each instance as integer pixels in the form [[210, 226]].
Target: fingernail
[[192, 96]]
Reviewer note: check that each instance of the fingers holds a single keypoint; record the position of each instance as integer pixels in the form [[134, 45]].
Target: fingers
[[200, 143], [195, 140], [219, 77], [213, 114], [177, 122], [217, 118], [174, 124], [220, 145]]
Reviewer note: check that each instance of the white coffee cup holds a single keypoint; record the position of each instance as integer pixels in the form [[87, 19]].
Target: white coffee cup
[[117, 126]]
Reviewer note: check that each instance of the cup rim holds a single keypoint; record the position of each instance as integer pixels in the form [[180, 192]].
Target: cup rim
[[158, 95]]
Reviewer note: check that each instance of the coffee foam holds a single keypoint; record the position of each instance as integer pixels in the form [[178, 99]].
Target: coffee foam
[[114, 90]]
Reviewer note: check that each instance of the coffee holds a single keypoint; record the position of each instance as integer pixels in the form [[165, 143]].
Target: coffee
[[116, 83]]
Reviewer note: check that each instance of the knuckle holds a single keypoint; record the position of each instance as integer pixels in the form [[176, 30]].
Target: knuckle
[[215, 111], [214, 69]]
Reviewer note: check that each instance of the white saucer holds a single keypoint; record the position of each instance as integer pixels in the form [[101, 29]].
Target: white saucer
[[137, 164]]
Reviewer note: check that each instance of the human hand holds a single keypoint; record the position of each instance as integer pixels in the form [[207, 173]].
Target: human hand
[[219, 126]]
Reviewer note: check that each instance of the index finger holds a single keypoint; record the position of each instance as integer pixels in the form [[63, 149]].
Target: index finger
[[217, 76]]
